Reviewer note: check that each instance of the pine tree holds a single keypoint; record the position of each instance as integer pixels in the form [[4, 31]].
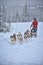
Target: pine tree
[[4, 13], [9, 19], [4, 26], [0, 16], [25, 14], [17, 17], [1, 20], [13, 18]]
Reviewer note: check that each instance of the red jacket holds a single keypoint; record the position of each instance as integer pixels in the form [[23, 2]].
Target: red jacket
[[35, 24]]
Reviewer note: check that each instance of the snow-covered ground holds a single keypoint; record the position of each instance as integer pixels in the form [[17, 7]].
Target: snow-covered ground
[[29, 53]]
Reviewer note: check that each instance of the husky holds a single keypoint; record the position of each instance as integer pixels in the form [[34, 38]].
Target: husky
[[20, 37], [13, 38], [27, 35]]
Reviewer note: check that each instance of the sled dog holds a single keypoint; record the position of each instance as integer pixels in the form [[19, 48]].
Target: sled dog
[[27, 34], [13, 38], [20, 37]]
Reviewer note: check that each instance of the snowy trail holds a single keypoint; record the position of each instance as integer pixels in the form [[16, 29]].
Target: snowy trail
[[29, 53]]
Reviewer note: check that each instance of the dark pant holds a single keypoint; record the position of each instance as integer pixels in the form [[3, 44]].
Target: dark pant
[[34, 30]]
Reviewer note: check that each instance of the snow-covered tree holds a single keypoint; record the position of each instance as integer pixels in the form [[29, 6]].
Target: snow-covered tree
[[1, 19], [25, 14], [0, 16], [4, 13], [9, 19], [13, 18], [17, 17], [4, 26]]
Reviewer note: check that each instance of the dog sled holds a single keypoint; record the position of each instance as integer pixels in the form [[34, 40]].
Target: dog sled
[[33, 33]]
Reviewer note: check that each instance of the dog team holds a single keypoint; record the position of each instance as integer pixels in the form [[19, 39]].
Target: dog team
[[19, 37]]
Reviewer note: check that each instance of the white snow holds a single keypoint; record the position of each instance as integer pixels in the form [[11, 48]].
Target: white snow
[[29, 53]]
